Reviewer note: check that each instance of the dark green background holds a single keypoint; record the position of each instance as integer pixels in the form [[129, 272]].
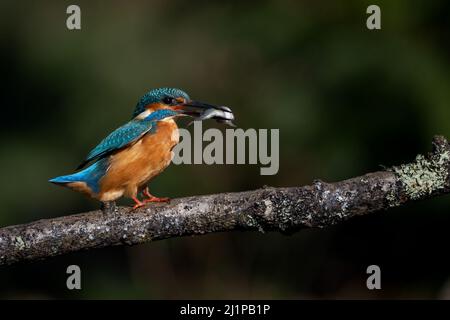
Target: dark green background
[[346, 100]]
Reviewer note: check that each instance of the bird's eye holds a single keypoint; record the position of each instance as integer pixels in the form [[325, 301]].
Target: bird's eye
[[168, 100]]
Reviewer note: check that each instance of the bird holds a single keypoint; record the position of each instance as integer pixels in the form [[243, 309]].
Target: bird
[[124, 162]]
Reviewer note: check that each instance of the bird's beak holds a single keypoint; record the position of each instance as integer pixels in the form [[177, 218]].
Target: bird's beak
[[195, 108]]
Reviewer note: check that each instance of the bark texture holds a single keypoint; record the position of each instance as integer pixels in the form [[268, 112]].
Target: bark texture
[[268, 209]]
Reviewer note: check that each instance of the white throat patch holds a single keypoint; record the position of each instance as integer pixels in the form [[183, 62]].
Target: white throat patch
[[144, 114]]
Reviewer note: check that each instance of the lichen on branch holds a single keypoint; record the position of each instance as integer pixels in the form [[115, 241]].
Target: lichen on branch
[[426, 175]]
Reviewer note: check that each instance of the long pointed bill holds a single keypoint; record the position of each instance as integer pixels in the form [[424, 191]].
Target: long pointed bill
[[196, 108]]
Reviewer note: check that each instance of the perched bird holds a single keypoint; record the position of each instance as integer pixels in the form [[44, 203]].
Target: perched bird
[[126, 160]]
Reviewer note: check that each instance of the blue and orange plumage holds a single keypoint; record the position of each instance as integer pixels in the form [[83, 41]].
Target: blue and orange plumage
[[126, 160]]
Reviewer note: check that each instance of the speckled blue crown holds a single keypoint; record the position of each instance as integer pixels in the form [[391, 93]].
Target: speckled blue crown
[[156, 95]]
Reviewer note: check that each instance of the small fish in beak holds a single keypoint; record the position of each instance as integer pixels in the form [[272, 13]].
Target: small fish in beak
[[220, 115], [202, 111]]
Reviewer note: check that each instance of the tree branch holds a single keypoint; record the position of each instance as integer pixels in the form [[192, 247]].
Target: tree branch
[[269, 209]]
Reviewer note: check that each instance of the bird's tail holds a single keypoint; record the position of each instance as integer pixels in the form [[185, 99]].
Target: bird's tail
[[76, 177], [90, 176]]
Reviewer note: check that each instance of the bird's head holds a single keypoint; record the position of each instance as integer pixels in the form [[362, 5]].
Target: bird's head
[[171, 99]]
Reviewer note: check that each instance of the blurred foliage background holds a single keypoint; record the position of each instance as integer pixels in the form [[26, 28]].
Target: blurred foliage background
[[346, 100]]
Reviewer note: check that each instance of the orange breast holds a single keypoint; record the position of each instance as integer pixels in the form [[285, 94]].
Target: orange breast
[[132, 168]]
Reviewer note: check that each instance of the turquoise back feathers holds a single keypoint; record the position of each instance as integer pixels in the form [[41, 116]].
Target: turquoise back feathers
[[127, 134]]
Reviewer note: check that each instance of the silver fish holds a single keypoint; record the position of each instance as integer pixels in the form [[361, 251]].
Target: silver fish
[[222, 115]]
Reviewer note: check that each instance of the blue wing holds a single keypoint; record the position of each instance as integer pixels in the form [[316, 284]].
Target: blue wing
[[127, 134], [119, 138]]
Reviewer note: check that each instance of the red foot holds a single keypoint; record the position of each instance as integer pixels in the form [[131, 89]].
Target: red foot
[[152, 198], [155, 199], [138, 203]]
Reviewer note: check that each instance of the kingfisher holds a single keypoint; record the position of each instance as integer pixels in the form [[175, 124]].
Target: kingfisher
[[125, 161]]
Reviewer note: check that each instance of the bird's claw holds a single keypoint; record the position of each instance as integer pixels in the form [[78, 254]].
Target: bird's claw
[[152, 198], [138, 205], [156, 199]]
